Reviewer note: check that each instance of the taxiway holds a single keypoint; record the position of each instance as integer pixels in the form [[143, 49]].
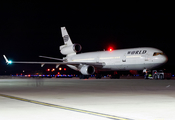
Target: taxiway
[[89, 99]]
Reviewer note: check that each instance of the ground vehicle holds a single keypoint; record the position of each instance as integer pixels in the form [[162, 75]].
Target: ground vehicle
[[154, 74]]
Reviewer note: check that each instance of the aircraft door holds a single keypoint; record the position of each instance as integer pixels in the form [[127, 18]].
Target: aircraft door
[[146, 57], [124, 58]]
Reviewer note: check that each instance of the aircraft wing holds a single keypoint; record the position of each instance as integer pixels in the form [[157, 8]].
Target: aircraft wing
[[52, 58], [60, 63], [55, 63]]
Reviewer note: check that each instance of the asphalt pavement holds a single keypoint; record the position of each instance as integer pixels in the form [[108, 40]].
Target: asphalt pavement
[[88, 99]]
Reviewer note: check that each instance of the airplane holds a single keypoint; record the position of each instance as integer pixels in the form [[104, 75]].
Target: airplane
[[140, 58]]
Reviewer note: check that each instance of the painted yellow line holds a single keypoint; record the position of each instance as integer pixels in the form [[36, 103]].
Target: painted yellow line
[[66, 108]]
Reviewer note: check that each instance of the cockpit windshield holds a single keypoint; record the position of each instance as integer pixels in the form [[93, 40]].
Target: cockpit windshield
[[157, 53]]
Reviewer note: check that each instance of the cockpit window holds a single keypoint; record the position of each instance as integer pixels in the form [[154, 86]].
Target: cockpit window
[[157, 53]]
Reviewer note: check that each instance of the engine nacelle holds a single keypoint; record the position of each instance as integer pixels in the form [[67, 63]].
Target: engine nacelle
[[87, 69], [65, 50]]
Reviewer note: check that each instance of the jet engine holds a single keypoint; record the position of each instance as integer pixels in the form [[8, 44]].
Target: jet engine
[[74, 48], [87, 69]]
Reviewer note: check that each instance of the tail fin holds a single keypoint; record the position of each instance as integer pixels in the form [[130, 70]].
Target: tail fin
[[65, 35], [68, 48]]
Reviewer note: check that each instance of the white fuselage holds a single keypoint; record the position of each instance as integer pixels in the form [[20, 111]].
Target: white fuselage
[[124, 59]]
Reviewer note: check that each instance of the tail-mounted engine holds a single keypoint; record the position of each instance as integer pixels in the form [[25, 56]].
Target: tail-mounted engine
[[74, 48]]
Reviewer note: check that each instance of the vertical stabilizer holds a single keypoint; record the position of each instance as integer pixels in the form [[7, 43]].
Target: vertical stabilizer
[[65, 35], [68, 48]]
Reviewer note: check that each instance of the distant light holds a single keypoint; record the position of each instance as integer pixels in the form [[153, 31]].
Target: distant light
[[65, 69], [48, 69], [60, 68]]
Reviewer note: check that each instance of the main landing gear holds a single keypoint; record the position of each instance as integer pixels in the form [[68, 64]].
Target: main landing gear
[[97, 76], [114, 75], [83, 76]]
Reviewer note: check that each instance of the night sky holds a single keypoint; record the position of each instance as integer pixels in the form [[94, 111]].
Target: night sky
[[28, 30]]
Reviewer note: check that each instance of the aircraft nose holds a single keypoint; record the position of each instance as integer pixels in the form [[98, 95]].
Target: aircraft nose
[[164, 59], [161, 59]]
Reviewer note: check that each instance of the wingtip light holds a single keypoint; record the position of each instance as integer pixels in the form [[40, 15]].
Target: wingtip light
[[9, 62]]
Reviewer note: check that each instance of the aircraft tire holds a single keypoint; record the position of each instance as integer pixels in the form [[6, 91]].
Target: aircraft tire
[[84, 76], [155, 77], [161, 77]]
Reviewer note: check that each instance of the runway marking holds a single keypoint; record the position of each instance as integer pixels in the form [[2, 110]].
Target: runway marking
[[66, 108]]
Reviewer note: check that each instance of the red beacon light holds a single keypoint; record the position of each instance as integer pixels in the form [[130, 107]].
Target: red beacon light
[[110, 49]]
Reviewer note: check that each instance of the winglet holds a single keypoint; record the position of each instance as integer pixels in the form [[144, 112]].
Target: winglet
[[6, 60]]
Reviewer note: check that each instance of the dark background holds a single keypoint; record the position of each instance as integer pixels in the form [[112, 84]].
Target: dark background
[[28, 29]]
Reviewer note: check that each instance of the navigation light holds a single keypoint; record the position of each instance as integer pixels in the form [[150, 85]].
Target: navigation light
[[9, 62]]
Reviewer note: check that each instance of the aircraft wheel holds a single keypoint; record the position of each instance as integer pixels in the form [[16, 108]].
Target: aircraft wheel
[[84, 76], [155, 77], [161, 77]]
